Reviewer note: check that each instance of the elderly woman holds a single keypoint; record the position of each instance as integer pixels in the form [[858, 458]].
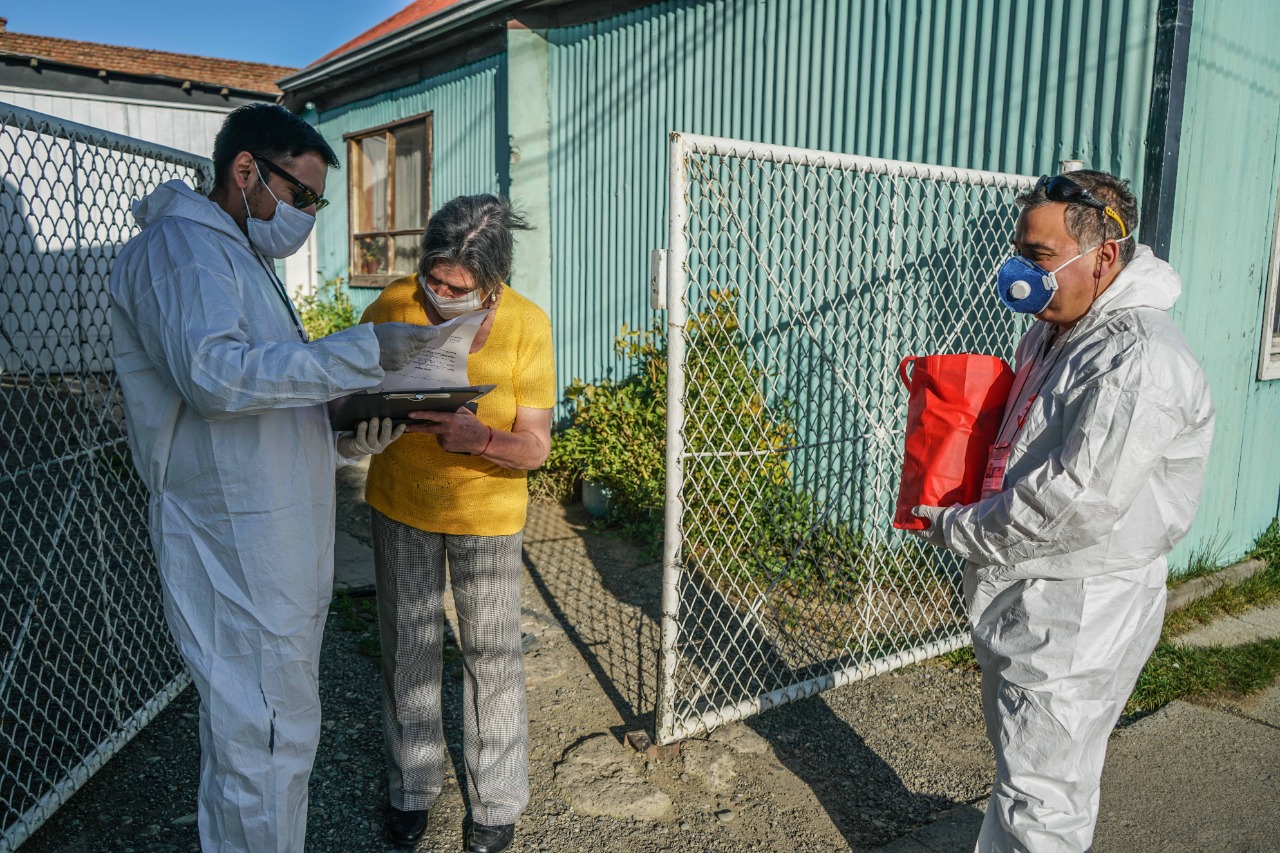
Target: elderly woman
[[454, 487]]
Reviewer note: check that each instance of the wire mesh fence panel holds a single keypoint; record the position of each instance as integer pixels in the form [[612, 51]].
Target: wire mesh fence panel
[[85, 657], [796, 283]]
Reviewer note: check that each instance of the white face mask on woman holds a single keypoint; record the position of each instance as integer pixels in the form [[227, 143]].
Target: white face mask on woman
[[283, 234], [450, 307]]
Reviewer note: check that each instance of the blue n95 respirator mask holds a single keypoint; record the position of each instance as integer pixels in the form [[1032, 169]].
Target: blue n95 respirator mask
[[1026, 287]]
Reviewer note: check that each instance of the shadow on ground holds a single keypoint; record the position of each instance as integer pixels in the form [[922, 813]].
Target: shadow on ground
[[608, 599]]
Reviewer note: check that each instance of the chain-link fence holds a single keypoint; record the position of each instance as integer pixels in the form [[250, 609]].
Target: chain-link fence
[[796, 282], [85, 658]]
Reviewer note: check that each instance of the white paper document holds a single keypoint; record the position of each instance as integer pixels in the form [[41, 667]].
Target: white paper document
[[443, 363]]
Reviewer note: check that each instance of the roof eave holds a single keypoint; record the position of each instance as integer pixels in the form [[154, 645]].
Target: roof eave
[[454, 16], [92, 68]]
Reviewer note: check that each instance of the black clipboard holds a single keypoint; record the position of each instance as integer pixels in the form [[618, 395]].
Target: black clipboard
[[398, 404]]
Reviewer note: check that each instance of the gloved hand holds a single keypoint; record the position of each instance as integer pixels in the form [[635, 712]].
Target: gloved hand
[[399, 342], [371, 436], [932, 534]]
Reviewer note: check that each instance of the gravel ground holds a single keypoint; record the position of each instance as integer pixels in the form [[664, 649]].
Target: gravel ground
[[853, 768]]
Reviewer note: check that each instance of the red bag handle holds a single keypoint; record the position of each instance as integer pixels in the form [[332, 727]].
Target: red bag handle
[[902, 370]]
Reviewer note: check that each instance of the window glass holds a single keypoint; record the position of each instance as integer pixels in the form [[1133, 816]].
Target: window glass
[[410, 176], [373, 176], [390, 185]]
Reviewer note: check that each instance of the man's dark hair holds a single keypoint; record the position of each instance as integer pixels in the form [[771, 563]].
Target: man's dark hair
[[1089, 226], [269, 130], [474, 232]]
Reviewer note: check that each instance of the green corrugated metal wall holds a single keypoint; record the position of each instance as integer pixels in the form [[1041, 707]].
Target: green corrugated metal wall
[[466, 159], [1225, 216], [1001, 85]]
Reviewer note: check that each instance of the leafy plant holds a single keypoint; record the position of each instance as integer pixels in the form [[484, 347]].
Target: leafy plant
[[742, 512], [748, 528], [328, 310], [617, 437]]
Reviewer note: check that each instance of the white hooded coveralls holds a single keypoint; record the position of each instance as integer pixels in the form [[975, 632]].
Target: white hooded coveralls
[[1066, 575], [224, 407]]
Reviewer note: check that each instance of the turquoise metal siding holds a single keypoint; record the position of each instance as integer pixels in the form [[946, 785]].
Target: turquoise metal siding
[[465, 104], [1006, 86], [1224, 223], [999, 85]]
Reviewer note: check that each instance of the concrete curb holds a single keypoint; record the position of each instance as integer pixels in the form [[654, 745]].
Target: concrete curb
[[1182, 595]]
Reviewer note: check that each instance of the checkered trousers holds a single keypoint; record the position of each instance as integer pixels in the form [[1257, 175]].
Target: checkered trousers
[[485, 575]]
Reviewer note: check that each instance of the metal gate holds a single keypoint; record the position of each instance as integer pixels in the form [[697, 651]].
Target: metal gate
[[85, 658], [796, 282]]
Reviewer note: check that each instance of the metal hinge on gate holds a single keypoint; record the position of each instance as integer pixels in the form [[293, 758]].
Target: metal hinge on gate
[[658, 279]]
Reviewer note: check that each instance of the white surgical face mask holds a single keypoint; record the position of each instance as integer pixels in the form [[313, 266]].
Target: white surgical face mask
[[283, 234], [449, 308]]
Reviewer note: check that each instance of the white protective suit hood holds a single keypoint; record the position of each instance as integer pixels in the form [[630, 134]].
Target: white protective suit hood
[[1066, 577], [226, 420], [175, 198]]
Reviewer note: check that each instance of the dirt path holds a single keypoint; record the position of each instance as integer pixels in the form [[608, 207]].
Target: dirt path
[[850, 769]]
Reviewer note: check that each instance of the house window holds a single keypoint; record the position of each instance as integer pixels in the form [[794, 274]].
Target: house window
[[1269, 362], [390, 192]]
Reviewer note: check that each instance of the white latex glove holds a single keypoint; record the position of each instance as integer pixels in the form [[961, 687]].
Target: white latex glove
[[399, 342], [371, 436], [932, 534]]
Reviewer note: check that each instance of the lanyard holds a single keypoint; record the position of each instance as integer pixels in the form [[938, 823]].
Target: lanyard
[[1061, 347], [278, 286]]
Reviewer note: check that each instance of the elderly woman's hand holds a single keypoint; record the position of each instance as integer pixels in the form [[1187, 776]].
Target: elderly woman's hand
[[457, 432]]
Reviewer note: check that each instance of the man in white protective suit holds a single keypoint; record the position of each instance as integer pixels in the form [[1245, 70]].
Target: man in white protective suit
[[1094, 478], [225, 407]]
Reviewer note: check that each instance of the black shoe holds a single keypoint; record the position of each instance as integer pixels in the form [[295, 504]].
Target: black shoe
[[490, 839], [405, 828]]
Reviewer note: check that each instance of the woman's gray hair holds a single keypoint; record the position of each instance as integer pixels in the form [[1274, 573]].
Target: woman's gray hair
[[474, 232]]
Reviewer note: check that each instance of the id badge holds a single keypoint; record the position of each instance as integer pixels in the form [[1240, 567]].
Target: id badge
[[997, 462]]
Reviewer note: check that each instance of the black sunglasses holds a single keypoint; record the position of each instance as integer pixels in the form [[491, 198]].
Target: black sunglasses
[[1062, 189], [305, 196]]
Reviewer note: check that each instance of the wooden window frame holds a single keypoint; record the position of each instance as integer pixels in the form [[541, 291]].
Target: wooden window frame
[[356, 197], [1269, 355]]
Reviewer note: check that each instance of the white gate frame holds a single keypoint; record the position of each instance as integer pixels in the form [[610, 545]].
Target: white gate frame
[[669, 729]]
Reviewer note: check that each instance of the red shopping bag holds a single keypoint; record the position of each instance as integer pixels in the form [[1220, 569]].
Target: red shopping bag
[[953, 418]]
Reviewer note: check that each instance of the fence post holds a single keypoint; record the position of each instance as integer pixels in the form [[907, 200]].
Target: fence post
[[677, 317]]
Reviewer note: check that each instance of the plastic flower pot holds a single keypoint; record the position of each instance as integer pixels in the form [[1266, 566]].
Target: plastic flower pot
[[596, 498]]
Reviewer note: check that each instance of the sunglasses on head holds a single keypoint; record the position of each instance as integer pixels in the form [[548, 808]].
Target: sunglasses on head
[[305, 197], [1062, 189]]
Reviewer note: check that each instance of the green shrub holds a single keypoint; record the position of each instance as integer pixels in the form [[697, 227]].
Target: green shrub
[[326, 311], [740, 503], [617, 437], [746, 524]]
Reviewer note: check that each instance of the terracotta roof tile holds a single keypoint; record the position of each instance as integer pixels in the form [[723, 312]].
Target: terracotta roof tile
[[245, 76], [410, 14]]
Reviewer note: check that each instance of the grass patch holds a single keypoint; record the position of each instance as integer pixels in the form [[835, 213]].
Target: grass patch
[[1180, 672], [1204, 560], [1257, 591], [360, 616], [1177, 672], [962, 658], [1261, 589], [354, 614]]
